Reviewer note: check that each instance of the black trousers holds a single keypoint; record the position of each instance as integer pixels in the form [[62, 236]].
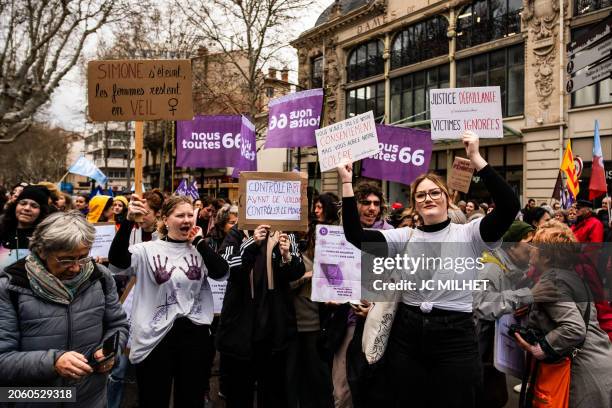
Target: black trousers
[[266, 369], [309, 379], [433, 359], [182, 356]]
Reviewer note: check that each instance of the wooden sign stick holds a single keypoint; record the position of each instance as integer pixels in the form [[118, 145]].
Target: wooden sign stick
[[138, 162]]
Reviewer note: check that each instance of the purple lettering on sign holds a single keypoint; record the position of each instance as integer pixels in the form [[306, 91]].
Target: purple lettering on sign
[[404, 154], [292, 119]]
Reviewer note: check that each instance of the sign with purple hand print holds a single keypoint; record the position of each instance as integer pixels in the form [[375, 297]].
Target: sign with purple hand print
[[337, 267]]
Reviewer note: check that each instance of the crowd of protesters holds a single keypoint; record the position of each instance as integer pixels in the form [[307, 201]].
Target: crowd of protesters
[[274, 346]]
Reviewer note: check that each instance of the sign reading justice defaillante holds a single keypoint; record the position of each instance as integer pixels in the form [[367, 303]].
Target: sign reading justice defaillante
[[455, 110], [125, 90]]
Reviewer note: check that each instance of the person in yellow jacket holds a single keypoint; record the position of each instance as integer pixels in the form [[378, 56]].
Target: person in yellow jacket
[[100, 209]]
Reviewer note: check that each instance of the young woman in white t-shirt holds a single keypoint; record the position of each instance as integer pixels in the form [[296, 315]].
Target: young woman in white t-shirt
[[432, 356]]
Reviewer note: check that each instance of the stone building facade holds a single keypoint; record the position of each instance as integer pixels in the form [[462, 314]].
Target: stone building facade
[[384, 55]]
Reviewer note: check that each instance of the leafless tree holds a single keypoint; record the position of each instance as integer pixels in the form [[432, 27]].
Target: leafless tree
[[41, 155], [40, 42], [247, 33]]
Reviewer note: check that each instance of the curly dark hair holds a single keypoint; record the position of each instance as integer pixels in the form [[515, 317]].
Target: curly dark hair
[[364, 189], [223, 215]]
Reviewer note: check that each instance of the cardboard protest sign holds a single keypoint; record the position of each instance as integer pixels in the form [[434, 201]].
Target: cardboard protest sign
[[336, 275], [456, 110], [105, 233], [293, 119], [275, 199], [460, 175], [125, 90], [208, 141], [404, 154], [348, 141]]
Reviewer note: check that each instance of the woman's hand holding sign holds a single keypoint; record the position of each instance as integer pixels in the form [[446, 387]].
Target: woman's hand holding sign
[[471, 142]]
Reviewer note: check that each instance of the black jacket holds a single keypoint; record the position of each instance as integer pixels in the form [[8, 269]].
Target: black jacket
[[255, 313]]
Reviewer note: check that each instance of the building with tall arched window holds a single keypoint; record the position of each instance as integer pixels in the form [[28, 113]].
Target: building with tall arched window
[[385, 56]]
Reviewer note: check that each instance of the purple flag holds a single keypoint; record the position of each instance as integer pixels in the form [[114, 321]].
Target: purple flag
[[190, 190], [182, 188], [208, 141], [404, 154], [293, 118], [248, 149]]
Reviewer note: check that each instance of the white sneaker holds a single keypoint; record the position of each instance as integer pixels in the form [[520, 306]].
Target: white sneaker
[[517, 388]]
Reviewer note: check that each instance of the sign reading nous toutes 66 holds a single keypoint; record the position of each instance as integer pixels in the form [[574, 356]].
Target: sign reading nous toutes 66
[[125, 90]]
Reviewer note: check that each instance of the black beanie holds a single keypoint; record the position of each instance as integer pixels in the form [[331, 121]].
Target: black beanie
[[35, 193]]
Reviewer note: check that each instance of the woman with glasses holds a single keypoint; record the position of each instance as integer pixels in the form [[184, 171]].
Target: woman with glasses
[[57, 308], [432, 353], [19, 222]]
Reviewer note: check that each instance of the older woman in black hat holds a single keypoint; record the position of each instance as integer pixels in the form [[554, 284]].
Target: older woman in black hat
[[21, 218]]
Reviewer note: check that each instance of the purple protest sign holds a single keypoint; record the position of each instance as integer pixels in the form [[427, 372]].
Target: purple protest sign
[[248, 149], [208, 141], [293, 118], [404, 154]]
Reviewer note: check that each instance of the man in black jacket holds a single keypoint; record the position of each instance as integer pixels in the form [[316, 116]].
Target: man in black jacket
[[258, 317]]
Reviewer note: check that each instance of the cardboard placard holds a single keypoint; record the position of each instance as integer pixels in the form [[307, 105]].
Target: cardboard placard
[[455, 110], [273, 198], [460, 175], [105, 233], [348, 141], [125, 90]]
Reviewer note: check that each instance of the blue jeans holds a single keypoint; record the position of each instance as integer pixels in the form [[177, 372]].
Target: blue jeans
[[114, 386]]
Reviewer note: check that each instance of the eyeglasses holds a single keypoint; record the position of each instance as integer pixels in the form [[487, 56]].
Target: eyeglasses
[[368, 203], [69, 262], [434, 194]]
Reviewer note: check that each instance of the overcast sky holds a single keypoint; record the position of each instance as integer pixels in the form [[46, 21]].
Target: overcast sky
[[68, 103]]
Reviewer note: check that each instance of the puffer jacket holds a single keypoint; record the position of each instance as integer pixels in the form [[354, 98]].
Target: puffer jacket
[[34, 333]]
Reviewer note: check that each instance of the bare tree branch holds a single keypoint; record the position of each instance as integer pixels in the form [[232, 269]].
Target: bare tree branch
[[41, 41], [247, 34]]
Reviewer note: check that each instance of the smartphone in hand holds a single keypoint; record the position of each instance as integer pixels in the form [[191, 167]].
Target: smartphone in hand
[[110, 347]]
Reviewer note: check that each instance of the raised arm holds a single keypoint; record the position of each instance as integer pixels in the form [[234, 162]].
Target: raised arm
[[119, 255], [353, 231], [496, 223]]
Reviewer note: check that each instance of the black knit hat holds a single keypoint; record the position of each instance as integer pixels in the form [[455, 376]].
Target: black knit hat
[[584, 203], [35, 193]]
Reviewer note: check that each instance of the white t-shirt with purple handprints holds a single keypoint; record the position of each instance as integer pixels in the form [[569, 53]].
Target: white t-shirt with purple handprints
[[171, 283]]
